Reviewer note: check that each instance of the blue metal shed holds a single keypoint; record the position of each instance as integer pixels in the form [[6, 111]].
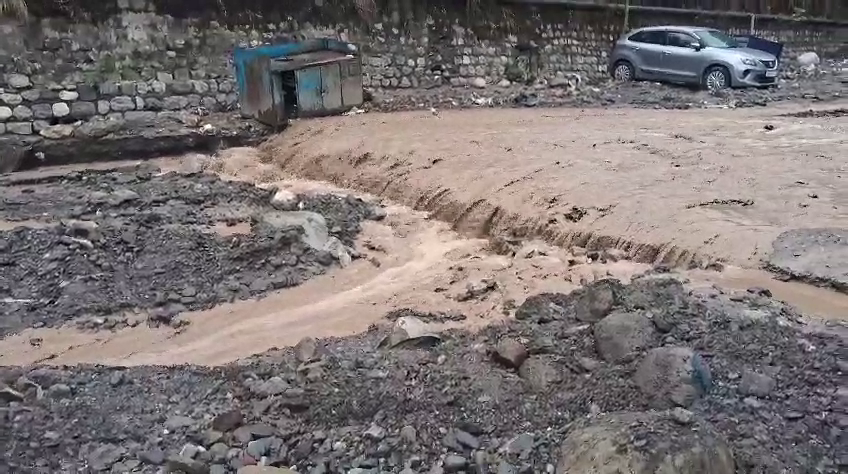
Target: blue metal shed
[[303, 79]]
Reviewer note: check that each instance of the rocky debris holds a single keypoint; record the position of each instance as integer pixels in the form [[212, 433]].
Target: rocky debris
[[819, 83], [620, 336], [670, 376], [135, 241], [452, 407], [510, 353], [650, 444], [816, 256]]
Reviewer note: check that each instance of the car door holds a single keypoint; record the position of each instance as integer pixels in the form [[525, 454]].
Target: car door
[[680, 62], [646, 47]]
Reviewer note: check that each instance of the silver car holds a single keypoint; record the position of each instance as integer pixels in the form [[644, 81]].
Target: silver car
[[690, 55]]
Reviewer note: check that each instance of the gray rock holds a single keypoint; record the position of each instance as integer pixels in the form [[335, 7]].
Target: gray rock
[[68, 96], [42, 111], [260, 447], [31, 95], [270, 387], [61, 109], [808, 59], [140, 116], [11, 99], [409, 434], [315, 233], [682, 416], [179, 422], [104, 456], [612, 444], [510, 353], [122, 104], [672, 376], [306, 350], [758, 385], [18, 81], [22, 112], [519, 444], [5, 113], [174, 103], [99, 128], [180, 87], [227, 421], [83, 110], [19, 128], [466, 439], [186, 465], [375, 432], [103, 107], [596, 301], [539, 372], [55, 132], [455, 463], [155, 457], [620, 336]]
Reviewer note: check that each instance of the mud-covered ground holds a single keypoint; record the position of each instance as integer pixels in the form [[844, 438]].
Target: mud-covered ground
[[98, 246], [502, 400]]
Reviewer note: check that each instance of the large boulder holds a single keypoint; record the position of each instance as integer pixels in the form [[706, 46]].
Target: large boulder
[[621, 335], [313, 226], [673, 376], [644, 443], [809, 59], [596, 301]]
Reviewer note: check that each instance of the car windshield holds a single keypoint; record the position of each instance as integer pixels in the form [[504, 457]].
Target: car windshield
[[716, 39]]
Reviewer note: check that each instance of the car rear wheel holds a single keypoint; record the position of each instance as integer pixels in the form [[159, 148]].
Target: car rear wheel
[[623, 71], [716, 78]]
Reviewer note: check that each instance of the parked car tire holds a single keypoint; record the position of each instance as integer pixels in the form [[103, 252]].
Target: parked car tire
[[624, 71], [716, 78]]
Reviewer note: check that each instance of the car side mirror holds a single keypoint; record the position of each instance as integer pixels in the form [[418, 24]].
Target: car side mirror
[[696, 45]]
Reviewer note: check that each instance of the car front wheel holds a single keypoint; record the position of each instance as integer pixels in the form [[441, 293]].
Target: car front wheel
[[716, 78], [623, 71]]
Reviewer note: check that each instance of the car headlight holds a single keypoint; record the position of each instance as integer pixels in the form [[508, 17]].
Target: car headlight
[[749, 62]]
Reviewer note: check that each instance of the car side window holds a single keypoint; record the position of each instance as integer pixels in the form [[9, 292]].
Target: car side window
[[682, 40], [650, 37]]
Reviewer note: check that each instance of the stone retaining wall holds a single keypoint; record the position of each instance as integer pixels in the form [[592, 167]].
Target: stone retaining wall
[[134, 60]]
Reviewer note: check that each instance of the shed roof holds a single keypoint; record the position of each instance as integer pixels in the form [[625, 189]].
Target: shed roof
[[300, 61]]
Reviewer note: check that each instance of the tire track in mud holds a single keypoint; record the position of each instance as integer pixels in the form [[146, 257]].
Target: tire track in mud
[[480, 218]]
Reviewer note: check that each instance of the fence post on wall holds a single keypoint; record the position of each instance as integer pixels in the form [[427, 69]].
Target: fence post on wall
[[626, 16], [753, 24]]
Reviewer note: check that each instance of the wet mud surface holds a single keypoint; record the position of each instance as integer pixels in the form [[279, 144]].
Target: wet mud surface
[[729, 374], [816, 256], [92, 246]]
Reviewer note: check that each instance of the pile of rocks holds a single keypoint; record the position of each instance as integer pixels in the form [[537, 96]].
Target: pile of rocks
[[111, 242], [821, 83], [60, 111], [641, 378]]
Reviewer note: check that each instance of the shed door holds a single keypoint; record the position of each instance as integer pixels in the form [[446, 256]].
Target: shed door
[[309, 99], [331, 87], [351, 83]]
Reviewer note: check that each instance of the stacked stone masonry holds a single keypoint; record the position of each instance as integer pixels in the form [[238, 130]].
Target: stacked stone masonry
[[141, 59]]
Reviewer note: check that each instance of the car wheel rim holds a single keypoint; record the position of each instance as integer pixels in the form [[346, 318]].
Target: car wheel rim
[[716, 80], [622, 72]]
